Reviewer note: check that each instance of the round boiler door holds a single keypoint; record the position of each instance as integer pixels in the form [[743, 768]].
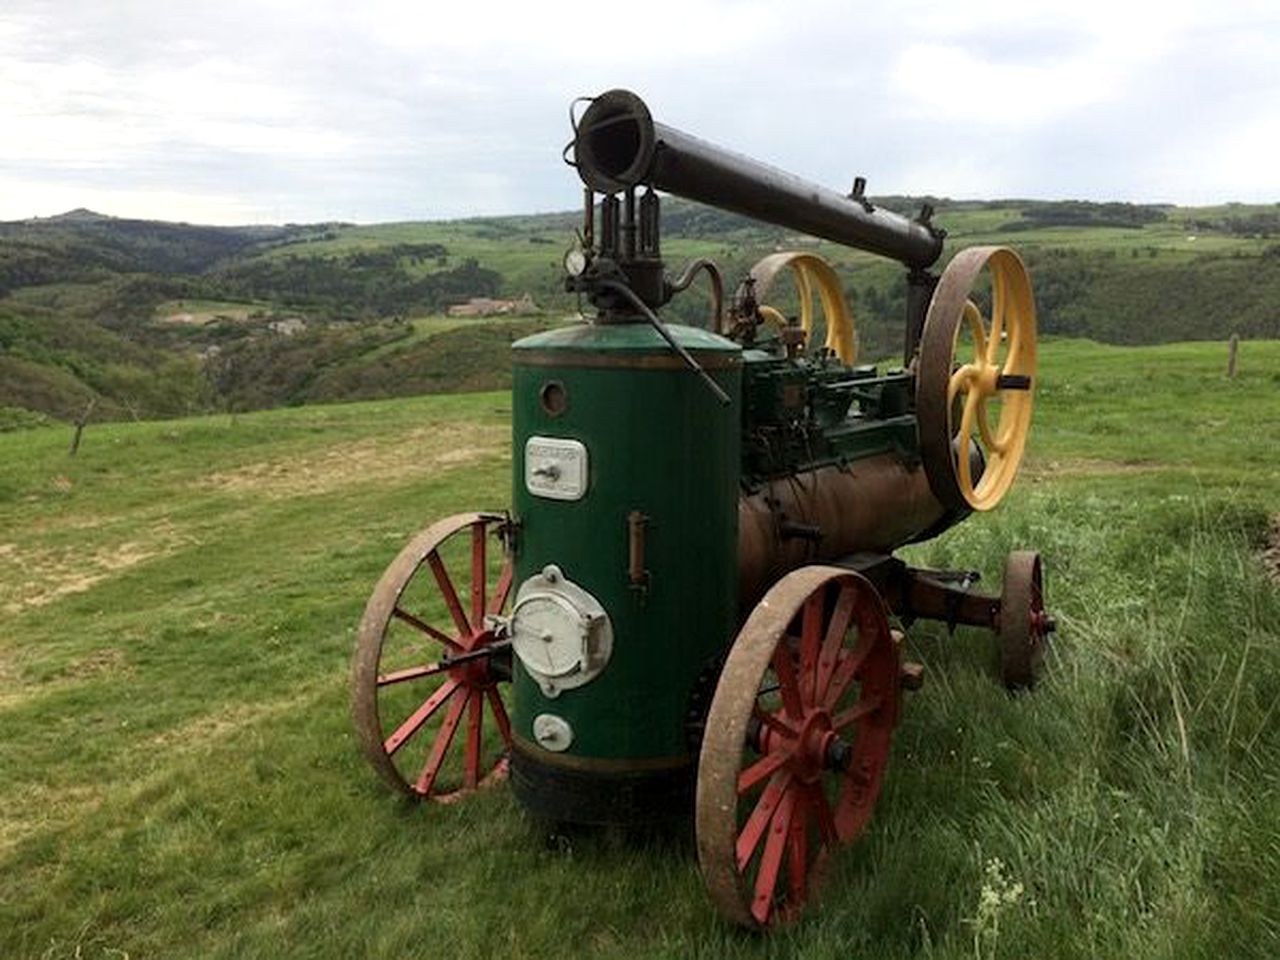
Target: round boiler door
[[547, 635]]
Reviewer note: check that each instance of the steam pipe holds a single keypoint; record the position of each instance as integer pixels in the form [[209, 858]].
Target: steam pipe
[[619, 146]]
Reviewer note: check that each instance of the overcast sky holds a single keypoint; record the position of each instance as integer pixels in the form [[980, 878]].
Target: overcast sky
[[235, 112]]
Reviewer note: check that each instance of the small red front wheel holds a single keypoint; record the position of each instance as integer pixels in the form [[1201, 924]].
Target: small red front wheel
[[796, 743], [1024, 625], [422, 668]]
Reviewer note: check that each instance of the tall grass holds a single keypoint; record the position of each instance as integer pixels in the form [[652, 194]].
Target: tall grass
[[178, 776]]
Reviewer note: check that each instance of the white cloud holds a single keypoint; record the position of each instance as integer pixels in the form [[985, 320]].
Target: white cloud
[[391, 109]]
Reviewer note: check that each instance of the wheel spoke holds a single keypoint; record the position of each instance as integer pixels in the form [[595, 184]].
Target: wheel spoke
[[410, 673], [864, 707], [959, 381], [1012, 355], [441, 744], [419, 717], [810, 638], [450, 595], [966, 428], [418, 624], [984, 428], [502, 589], [475, 720], [847, 669], [478, 571], [500, 715], [771, 860], [763, 768], [773, 722], [804, 291], [753, 829], [836, 630], [999, 303], [822, 813], [973, 317], [798, 849], [785, 668]]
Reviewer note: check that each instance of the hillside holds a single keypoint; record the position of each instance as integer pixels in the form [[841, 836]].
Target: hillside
[[161, 319], [179, 776]]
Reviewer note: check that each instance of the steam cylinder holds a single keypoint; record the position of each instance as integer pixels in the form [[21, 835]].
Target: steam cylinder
[[660, 478]]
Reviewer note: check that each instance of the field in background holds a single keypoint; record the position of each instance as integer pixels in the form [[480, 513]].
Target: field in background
[[178, 778]]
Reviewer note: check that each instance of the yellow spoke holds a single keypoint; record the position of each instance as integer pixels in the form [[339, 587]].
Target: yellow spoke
[[973, 317], [805, 292], [966, 428], [984, 429], [1013, 356], [1006, 434], [959, 381], [998, 304]]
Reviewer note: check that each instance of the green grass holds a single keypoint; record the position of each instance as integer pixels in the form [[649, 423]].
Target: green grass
[[178, 776]]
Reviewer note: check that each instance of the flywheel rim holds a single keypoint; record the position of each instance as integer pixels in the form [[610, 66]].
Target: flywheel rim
[[1011, 380], [811, 274]]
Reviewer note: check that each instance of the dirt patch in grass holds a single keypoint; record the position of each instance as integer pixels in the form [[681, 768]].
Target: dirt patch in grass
[[367, 461], [36, 806], [109, 660], [34, 578], [10, 688], [1271, 551]]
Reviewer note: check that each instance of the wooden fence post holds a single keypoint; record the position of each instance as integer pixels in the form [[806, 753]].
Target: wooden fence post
[[1233, 345], [80, 422]]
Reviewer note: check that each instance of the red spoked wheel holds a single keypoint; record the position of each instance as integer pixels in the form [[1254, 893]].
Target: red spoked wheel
[[796, 742], [425, 662]]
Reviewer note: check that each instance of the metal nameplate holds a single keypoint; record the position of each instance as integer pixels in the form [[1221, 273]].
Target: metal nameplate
[[555, 468]]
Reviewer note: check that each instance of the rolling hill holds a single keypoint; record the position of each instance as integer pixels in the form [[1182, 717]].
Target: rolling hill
[[153, 319]]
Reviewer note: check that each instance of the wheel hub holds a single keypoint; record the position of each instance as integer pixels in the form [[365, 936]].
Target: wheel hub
[[475, 672]]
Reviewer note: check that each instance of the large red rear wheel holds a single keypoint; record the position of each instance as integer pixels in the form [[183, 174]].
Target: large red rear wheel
[[423, 679], [796, 742]]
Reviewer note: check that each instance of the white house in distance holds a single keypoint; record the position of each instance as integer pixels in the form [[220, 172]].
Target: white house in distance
[[487, 307]]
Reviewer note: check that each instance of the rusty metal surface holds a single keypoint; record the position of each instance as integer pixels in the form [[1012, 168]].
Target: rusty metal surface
[[618, 145], [912, 593], [875, 504], [1024, 625], [933, 373], [794, 747]]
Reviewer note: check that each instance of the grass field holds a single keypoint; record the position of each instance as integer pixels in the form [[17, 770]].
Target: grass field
[[178, 777]]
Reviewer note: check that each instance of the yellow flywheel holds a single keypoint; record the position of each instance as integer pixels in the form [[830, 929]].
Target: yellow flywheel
[[975, 380], [811, 274]]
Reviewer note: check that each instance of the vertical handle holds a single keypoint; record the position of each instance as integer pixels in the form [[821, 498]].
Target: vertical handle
[[636, 573]]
